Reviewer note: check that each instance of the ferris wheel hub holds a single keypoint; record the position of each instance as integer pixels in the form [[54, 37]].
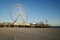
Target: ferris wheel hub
[[19, 11]]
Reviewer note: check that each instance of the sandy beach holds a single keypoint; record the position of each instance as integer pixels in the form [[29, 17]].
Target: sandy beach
[[29, 33]]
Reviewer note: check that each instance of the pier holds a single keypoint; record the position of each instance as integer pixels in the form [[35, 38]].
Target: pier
[[3, 25]]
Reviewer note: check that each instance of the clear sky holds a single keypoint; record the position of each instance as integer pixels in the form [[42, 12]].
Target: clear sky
[[38, 10]]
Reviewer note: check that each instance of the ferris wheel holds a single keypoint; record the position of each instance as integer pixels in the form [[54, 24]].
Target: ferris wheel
[[19, 14]]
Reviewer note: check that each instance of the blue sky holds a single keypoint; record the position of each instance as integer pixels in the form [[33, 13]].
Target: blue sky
[[38, 10]]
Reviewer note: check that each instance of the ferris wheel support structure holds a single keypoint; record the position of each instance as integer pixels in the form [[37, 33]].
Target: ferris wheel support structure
[[20, 13]]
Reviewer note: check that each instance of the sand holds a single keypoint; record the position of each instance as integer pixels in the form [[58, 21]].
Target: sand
[[29, 33]]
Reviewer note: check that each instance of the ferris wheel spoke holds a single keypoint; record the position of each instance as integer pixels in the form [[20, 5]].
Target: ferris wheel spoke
[[19, 11]]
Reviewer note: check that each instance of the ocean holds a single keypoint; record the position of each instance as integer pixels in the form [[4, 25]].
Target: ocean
[[45, 27], [54, 26]]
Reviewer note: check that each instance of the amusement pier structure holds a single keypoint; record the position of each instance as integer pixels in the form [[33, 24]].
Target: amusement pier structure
[[19, 16], [30, 25]]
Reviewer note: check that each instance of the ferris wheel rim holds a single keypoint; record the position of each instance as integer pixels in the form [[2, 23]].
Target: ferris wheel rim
[[22, 7]]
